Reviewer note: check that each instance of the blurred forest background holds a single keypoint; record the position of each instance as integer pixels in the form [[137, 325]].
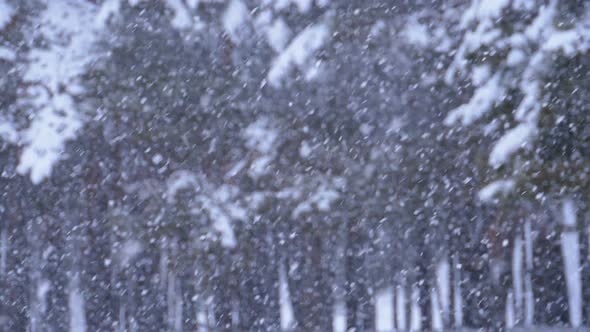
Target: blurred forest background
[[294, 165]]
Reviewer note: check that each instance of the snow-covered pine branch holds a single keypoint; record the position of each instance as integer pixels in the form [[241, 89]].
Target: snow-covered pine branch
[[505, 52]]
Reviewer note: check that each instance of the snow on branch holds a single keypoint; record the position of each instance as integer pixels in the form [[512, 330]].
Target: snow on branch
[[322, 198], [492, 190], [7, 54], [513, 140], [219, 203], [526, 52], [298, 53], [52, 78], [483, 100]]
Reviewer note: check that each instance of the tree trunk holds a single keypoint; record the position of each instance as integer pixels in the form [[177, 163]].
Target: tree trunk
[[571, 259], [384, 312], [529, 299], [517, 280], [457, 296], [401, 307]]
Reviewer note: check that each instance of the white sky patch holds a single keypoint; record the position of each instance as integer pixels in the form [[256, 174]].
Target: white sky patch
[[492, 190], [6, 14], [234, 18], [416, 33], [298, 53], [55, 118], [278, 35]]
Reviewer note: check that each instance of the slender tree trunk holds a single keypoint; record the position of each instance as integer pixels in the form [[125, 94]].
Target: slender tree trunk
[[436, 320], [586, 275], [529, 299], [189, 298], [76, 306], [286, 306], [571, 258], [510, 319], [401, 307], [422, 289], [457, 296], [4, 245], [384, 309], [76, 303], [339, 316], [415, 309], [41, 286], [517, 280], [4, 305], [443, 285]]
